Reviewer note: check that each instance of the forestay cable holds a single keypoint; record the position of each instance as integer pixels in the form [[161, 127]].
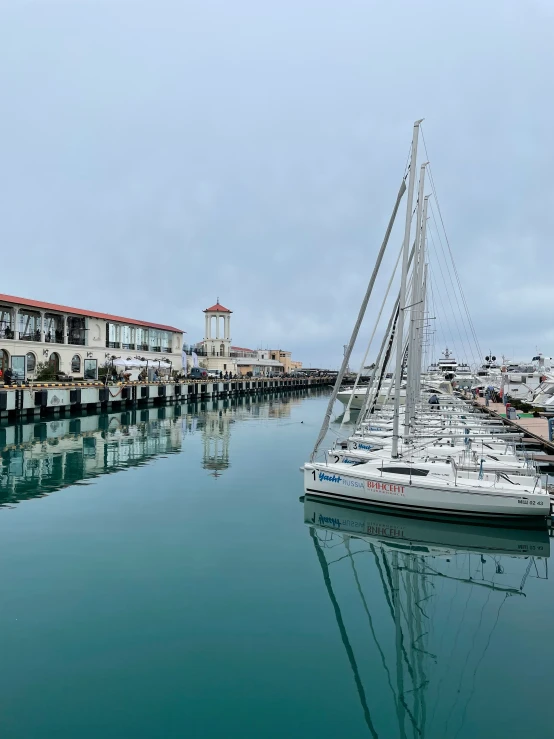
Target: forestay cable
[[361, 314]]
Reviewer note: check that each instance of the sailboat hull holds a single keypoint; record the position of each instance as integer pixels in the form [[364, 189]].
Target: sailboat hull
[[435, 498]]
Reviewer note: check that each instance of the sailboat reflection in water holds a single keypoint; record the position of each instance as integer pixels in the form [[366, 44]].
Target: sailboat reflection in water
[[443, 587]]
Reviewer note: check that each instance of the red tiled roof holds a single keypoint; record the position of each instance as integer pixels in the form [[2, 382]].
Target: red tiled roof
[[218, 307], [79, 312], [242, 349]]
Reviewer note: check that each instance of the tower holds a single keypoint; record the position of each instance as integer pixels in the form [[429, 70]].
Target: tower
[[217, 338]]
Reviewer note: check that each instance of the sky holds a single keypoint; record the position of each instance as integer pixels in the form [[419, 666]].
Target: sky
[[158, 154]]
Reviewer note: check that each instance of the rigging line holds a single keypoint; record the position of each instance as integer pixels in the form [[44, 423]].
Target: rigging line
[[420, 595], [410, 622], [444, 325], [392, 590], [431, 180], [469, 652], [455, 292], [434, 313], [435, 251], [456, 274], [454, 643], [372, 629], [399, 637], [347, 411], [343, 634], [467, 354], [358, 323], [479, 664]]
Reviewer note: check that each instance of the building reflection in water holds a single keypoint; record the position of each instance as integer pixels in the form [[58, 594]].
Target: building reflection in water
[[215, 424], [429, 647], [39, 458]]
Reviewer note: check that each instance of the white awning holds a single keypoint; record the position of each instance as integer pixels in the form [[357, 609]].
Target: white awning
[[141, 362], [259, 362]]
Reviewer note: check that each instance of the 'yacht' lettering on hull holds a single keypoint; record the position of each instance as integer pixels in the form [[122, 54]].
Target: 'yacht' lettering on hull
[[340, 479], [329, 478]]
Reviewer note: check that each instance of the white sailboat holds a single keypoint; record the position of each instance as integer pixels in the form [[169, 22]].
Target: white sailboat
[[401, 476]]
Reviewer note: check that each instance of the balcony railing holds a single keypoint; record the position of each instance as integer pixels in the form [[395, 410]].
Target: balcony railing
[[167, 349], [77, 340], [55, 338], [113, 344], [128, 346], [142, 347], [29, 335]]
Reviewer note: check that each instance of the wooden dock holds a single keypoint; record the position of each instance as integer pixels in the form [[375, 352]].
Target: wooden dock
[[535, 429]]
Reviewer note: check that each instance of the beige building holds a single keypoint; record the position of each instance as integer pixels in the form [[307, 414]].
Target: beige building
[[78, 342], [285, 359]]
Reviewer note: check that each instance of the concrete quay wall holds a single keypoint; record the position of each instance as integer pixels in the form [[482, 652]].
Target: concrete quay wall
[[54, 398]]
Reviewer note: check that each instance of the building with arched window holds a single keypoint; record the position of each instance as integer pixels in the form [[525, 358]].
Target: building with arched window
[[33, 332]]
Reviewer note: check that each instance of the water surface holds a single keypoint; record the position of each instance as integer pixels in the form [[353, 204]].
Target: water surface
[[160, 578]]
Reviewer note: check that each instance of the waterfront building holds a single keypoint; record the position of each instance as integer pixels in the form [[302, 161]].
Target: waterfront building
[[285, 358], [77, 342], [216, 352]]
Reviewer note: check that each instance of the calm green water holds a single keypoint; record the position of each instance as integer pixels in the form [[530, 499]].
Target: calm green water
[[160, 578]]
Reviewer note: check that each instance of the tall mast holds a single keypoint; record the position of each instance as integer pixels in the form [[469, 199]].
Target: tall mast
[[400, 327], [417, 273], [422, 299]]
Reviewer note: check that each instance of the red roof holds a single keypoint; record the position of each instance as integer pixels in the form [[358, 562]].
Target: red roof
[[242, 349], [218, 307], [79, 312]]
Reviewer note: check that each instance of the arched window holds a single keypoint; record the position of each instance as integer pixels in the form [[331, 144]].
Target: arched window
[[54, 361], [76, 363], [4, 360], [31, 362]]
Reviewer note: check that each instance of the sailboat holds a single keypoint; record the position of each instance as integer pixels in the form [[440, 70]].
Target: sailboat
[[398, 476]]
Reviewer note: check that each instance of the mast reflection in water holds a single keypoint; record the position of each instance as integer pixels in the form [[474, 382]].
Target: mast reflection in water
[[428, 572]]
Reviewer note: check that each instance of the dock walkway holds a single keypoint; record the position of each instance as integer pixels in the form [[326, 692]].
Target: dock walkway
[[535, 428]]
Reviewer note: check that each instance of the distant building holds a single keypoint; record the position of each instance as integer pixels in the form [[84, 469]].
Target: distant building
[[285, 359], [77, 342], [216, 352]]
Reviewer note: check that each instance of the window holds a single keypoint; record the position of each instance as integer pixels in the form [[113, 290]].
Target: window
[[91, 366], [112, 336], [127, 338], [164, 341], [153, 340], [53, 328], [31, 362], [76, 363], [406, 471], [141, 339], [76, 330]]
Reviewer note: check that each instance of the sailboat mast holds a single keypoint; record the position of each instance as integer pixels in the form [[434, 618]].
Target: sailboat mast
[[400, 327], [420, 332], [417, 273]]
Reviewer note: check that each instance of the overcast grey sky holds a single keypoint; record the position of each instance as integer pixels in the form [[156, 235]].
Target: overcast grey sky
[[155, 155]]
